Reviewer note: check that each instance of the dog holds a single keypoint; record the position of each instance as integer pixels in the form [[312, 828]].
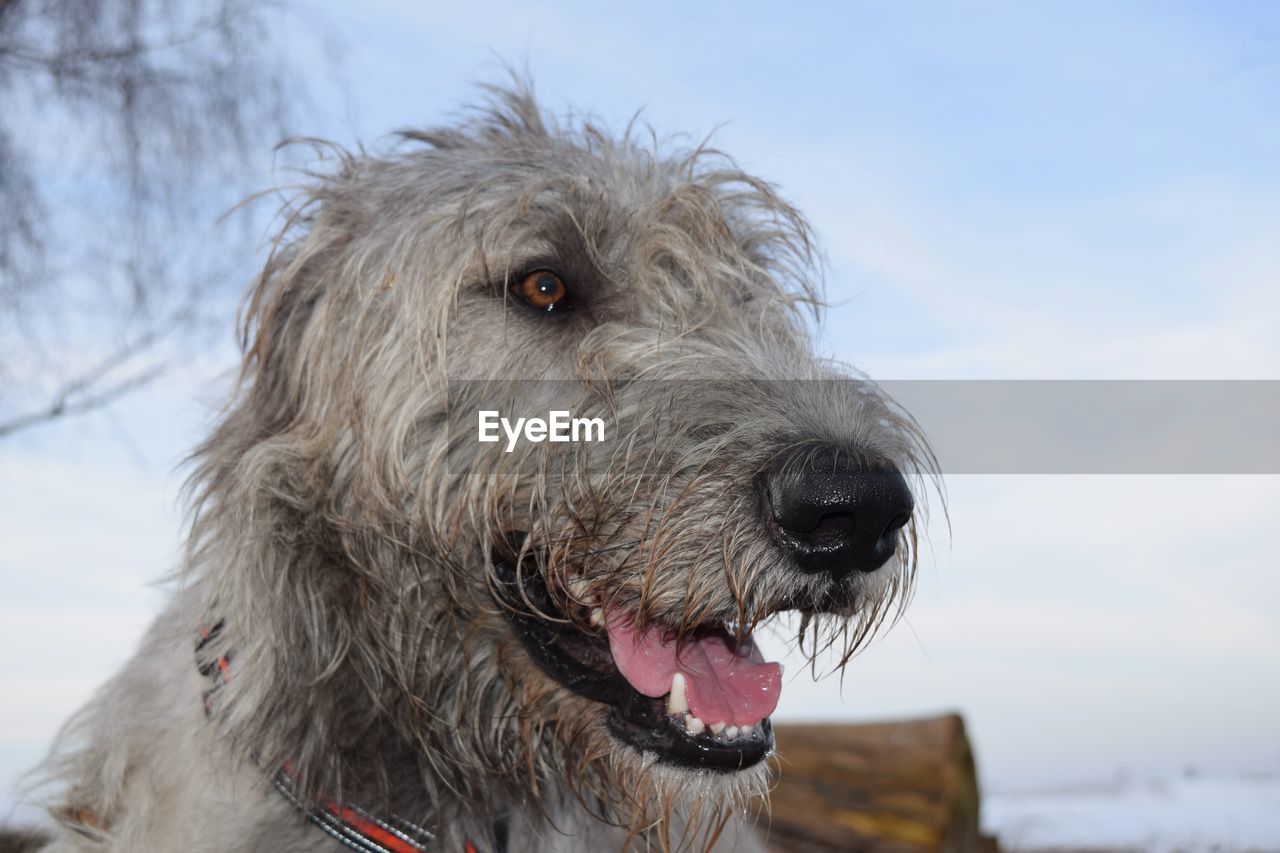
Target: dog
[[405, 624]]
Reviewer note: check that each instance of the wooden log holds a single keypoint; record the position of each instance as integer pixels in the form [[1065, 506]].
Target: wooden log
[[894, 787]]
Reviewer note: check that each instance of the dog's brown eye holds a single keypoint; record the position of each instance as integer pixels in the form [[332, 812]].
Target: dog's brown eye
[[543, 290]]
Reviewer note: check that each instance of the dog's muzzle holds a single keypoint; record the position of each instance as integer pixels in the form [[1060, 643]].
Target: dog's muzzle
[[703, 699]]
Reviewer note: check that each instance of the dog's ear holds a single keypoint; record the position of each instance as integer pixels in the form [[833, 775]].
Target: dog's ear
[[279, 314]]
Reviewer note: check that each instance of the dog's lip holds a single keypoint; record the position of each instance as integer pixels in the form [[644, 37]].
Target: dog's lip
[[583, 663], [643, 723]]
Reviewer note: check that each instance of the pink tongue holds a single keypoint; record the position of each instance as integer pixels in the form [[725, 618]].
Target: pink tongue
[[722, 683]]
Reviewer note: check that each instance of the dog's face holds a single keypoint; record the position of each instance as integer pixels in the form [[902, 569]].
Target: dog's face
[[576, 610]]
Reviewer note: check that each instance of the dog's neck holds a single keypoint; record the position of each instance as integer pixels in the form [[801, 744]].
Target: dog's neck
[[347, 823]]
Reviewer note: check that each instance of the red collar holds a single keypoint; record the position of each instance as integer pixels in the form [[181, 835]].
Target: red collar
[[350, 825], [355, 827]]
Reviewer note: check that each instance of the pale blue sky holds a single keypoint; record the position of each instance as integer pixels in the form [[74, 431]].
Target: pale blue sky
[[1003, 190]]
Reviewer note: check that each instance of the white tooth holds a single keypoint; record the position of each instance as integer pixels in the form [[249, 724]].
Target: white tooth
[[748, 731], [694, 725], [782, 670], [597, 617], [731, 732], [579, 589], [676, 702], [717, 728]]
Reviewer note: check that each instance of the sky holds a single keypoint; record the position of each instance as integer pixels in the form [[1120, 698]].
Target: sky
[[1003, 190]]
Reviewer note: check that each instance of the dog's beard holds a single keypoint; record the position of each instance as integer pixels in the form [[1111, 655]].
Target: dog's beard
[[683, 688], [643, 780]]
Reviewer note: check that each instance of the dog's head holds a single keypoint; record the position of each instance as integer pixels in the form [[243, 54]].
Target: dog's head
[[497, 618]]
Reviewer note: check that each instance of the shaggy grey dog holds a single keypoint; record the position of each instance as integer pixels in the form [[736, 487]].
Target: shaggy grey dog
[[393, 636]]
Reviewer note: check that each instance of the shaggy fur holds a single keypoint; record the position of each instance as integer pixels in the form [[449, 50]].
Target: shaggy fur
[[346, 524]]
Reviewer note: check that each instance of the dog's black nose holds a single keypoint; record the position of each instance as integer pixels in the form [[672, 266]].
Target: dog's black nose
[[832, 511]]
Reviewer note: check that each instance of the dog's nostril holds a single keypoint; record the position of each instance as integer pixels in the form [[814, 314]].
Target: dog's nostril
[[832, 529], [896, 523], [832, 512]]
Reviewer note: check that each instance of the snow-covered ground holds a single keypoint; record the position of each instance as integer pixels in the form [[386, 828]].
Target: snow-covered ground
[[1188, 813]]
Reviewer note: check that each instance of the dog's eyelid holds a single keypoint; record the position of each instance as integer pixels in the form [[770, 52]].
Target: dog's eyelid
[[523, 272]]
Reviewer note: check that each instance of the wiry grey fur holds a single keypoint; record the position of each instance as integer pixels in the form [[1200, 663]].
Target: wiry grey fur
[[345, 520]]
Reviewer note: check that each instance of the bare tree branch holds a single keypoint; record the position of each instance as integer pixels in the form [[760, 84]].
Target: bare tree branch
[[82, 395], [129, 126]]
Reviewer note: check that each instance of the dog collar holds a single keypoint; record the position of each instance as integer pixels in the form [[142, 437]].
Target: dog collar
[[350, 825], [354, 827]]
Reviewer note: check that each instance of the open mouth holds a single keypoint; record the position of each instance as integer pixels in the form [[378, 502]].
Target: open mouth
[[702, 702]]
